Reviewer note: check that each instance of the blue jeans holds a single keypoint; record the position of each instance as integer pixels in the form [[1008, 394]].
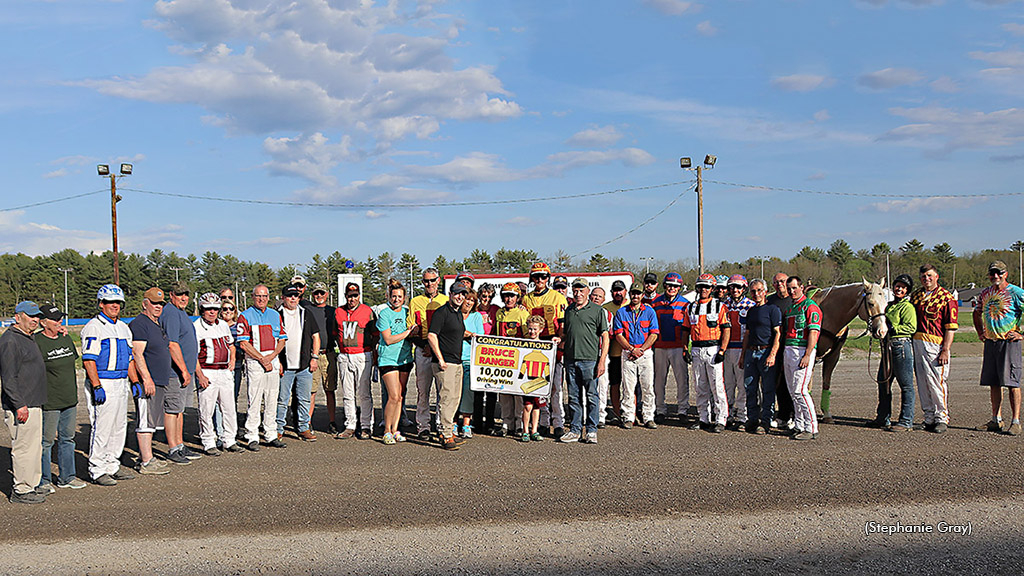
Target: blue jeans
[[303, 382], [60, 424], [903, 372], [580, 380], [759, 380]]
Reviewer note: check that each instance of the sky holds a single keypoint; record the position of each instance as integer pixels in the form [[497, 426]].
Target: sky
[[803, 102]]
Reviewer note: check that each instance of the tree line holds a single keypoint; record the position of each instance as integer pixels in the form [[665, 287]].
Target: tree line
[[41, 278]]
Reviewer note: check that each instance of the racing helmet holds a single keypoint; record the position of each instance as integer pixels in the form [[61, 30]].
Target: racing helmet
[[705, 279], [738, 280], [110, 293], [721, 281], [209, 300]]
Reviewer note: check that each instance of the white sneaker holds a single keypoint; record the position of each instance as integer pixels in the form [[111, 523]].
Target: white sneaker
[[569, 437], [591, 438]]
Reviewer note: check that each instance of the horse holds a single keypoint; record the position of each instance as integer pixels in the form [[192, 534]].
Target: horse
[[839, 305]]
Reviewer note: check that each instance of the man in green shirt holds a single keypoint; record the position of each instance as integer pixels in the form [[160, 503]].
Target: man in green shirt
[[586, 348]]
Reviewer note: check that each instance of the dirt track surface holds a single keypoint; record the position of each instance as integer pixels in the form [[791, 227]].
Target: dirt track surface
[[331, 491]]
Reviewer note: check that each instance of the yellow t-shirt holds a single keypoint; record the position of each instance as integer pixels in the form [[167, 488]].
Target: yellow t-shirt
[[511, 322], [421, 309], [549, 304]]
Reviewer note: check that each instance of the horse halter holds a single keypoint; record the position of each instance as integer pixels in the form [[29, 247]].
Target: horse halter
[[870, 317]]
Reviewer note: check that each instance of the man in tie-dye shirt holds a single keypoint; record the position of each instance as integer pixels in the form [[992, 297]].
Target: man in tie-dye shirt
[[997, 319]]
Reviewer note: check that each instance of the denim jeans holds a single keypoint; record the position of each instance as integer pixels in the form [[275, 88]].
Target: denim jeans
[[59, 424], [903, 372], [303, 382], [759, 381], [580, 380]]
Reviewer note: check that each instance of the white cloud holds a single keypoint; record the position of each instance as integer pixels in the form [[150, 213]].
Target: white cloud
[[887, 78], [473, 168], [673, 7], [1014, 28], [562, 161], [915, 205], [309, 157], [945, 84], [56, 173], [948, 129], [822, 115], [19, 234], [595, 136], [817, 176], [706, 28], [1002, 58], [802, 82], [373, 214]]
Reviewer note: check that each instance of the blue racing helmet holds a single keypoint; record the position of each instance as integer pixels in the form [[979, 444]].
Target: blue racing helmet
[[110, 293]]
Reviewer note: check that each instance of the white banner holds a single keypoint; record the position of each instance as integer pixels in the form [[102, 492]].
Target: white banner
[[511, 365]]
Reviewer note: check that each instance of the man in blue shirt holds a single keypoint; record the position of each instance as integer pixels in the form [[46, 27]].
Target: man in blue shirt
[[181, 336], [636, 329]]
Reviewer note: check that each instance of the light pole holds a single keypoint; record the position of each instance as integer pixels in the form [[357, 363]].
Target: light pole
[[1019, 245], [709, 163], [176, 270], [104, 171], [649, 259], [762, 259], [67, 313]]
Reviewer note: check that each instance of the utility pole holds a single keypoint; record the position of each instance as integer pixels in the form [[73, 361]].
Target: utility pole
[[709, 163], [176, 270], [104, 170], [67, 312]]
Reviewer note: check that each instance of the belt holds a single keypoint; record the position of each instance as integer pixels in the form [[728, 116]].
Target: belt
[[704, 343], [894, 338]]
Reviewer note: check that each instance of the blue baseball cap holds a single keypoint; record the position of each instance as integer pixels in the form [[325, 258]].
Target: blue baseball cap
[[28, 307]]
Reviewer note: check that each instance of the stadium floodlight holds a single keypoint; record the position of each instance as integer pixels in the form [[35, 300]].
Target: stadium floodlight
[[126, 169], [685, 163], [103, 170], [709, 161]]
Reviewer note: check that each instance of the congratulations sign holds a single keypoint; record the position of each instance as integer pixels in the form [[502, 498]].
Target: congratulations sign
[[511, 366]]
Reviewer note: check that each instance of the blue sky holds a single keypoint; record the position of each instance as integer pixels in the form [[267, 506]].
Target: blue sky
[[413, 102]]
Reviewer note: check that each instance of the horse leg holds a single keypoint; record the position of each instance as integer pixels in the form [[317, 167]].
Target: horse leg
[[828, 366]]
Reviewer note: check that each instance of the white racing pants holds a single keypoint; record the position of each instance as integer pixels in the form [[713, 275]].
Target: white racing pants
[[109, 426], [798, 381], [262, 388], [709, 386], [735, 390], [931, 382], [220, 393], [354, 381], [602, 394], [640, 370], [663, 359]]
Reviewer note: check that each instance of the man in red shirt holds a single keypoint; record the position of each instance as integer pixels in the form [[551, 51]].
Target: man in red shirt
[[936, 322], [356, 335]]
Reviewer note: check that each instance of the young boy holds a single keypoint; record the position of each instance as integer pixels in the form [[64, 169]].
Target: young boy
[[532, 404]]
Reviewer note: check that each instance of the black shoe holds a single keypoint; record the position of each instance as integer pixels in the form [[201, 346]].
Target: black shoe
[[332, 428], [234, 448], [253, 446], [651, 424], [558, 433], [122, 474], [627, 425], [940, 427], [449, 443], [499, 432], [930, 427], [716, 429], [659, 418], [875, 424], [424, 435], [29, 497], [276, 443], [698, 425]]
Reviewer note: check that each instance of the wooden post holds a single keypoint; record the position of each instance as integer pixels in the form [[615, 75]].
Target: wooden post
[[113, 225], [700, 220]]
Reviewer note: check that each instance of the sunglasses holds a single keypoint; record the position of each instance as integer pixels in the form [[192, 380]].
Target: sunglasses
[[635, 293], [430, 280], [223, 297], [540, 276], [227, 308]]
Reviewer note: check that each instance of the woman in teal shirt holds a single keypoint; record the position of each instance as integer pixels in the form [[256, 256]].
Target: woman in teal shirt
[[474, 325], [394, 357]]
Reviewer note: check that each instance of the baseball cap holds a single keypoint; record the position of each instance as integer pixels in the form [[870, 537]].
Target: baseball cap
[[155, 295], [673, 279], [580, 283], [319, 287], [180, 287], [291, 290], [458, 288], [28, 307], [298, 280], [998, 265], [51, 312], [618, 285], [560, 282], [650, 278], [636, 287], [351, 288]]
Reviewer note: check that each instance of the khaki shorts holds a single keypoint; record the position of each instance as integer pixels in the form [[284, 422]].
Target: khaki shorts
[[326, 375]]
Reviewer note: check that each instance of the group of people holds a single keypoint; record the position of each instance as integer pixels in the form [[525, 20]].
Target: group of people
[[751, 354]]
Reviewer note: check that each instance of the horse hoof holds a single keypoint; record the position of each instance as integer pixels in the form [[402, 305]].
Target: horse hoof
[[827, 419]]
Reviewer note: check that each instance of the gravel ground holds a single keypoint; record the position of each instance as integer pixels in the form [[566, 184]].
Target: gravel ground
[[654, 501]]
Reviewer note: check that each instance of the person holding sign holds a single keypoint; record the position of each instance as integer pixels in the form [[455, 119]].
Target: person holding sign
[[550, 305], [539, 368], [510, 321], [585, 349], [474, 324]]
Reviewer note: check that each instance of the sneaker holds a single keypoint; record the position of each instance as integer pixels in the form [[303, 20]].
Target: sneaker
[[500, 432], [154, 468], [717, 429], [212, 451], [591, 438], [190, 453], [45, 488], [900, 428], [389, 438], [1013, 430], [940, 427], [651, 425], [467, 431], [525, 437], [569, 437], [105, 480], [449, 443], [698, 425], [276, 443], [536, 437], [178, 458], [253, 446], [399, 437], [75, 484], [601, 425], [122, 474], [804, 435], [233, 448], [364, 434], [761, 431], [31, 497], [990, 426], [659, 418], [332, 428], [627, 425], [307, 436], [558, 433], [929, 426], [423, 435]]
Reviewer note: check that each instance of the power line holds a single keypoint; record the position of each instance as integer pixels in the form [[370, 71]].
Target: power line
[[54, 201], [406, 204], [861, 194], [640, 225]]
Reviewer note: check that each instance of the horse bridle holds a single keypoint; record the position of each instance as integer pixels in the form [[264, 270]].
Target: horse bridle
[[871, 317]]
